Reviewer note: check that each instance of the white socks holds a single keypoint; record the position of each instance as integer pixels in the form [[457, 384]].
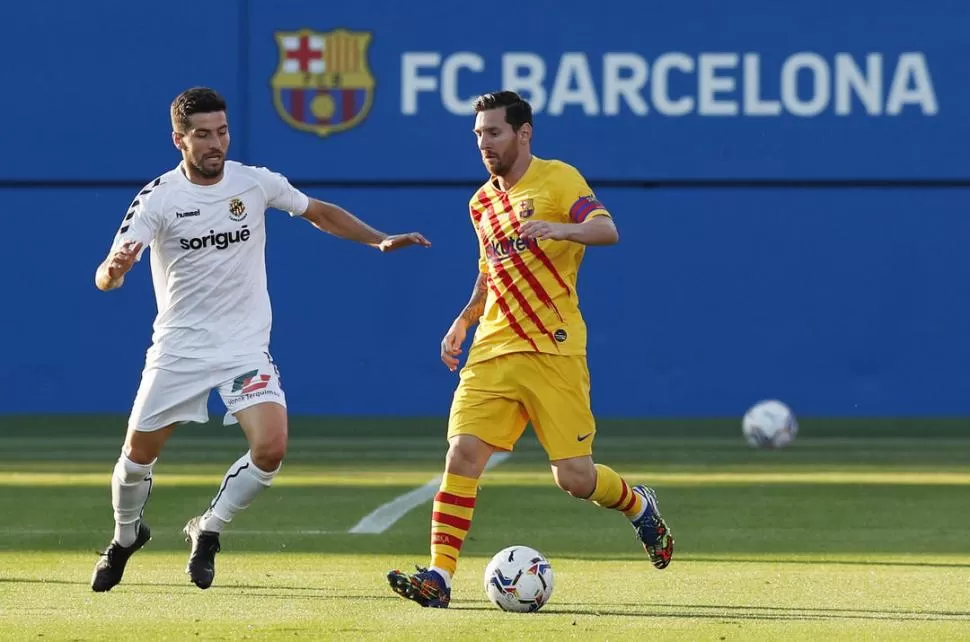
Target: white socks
[[131, 484], [243, 481]]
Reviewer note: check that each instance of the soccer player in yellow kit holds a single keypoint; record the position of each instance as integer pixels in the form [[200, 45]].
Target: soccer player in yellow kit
[[534, 219]]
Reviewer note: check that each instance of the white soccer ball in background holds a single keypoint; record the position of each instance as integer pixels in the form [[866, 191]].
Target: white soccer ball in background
[[519, 579], [769, 424]]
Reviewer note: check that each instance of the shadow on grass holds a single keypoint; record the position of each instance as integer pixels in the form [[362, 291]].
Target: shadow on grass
[[734, 613], [724, 612], [268, 590], [824, 562]]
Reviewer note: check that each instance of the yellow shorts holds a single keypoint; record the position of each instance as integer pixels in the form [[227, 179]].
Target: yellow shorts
[[496, 398]]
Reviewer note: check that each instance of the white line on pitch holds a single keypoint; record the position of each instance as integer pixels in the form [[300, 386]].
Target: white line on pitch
[[383, 517]]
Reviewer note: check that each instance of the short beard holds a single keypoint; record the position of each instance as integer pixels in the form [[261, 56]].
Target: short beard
[[503, 167], [209, 173]]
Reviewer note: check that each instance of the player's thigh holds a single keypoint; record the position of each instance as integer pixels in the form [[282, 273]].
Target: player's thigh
[[555, 390], [485, 405], [253, 396], [265, 427], [169, 395], [255, 380], [144, 447]]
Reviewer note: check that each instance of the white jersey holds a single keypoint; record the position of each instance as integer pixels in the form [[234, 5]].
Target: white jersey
[[207, 259]]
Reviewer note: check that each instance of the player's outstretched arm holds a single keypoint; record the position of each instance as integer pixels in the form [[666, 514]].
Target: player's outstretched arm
[[599, 230], [111, 273], [337, 221], [451, 344]]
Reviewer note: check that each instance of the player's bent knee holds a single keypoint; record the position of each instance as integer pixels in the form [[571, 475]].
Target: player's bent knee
[[143, 447], [580, 487], [140, 454], [467, 456], [268, 450], [268, 455], [265, 427], [576, 478]]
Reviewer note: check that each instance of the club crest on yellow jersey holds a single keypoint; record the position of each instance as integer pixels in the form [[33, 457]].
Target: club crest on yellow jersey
[[323, 83], [526, 208]]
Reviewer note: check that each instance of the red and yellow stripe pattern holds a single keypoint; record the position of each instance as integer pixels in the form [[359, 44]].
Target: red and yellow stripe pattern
[[451, 519]]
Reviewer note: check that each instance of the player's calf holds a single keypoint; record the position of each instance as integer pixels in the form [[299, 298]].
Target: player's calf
[[111, 565], [639, 505], [131, 486]]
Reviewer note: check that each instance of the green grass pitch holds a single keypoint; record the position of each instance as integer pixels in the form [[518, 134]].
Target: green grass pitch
[[859, 530]]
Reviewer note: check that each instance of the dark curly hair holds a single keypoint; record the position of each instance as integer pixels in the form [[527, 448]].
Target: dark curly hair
[[198, 100]]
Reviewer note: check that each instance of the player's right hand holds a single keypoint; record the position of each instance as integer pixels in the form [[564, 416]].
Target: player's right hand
[[123, 258], [451, 344]]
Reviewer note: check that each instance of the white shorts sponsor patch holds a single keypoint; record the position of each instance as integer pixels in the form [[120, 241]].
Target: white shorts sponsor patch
[[251, 387], [176, 390]]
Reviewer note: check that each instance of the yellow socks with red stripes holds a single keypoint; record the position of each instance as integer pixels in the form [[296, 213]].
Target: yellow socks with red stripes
[[451, 518], [614, 493]]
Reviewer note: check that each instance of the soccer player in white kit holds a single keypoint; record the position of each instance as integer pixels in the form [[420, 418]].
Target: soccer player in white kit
[[204, 221]]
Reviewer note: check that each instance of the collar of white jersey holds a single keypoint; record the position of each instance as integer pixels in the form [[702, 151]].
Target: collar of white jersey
[[180, 174]]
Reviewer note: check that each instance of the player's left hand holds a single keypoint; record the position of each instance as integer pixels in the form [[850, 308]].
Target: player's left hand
[[397, 241], [540, 230]]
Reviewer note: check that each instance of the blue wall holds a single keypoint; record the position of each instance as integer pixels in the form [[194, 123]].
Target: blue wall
[[841, 300]]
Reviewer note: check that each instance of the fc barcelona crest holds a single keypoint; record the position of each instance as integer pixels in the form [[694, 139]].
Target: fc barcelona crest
[[526, 208], [322, 83]]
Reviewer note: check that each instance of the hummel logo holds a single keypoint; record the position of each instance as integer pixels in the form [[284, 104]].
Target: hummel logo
[[583, 437], [185, 214]]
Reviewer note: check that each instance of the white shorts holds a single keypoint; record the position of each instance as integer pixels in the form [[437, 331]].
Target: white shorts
[[175, 390]]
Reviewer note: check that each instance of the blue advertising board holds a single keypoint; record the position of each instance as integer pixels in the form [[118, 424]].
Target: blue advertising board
[[842, 302], [755, 89], [372, 91]]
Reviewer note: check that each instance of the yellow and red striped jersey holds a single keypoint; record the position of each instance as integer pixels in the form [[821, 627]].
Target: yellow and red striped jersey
[[532, 304]]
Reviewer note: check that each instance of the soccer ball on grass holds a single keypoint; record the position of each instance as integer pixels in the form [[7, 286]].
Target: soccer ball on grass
[[519, 579]]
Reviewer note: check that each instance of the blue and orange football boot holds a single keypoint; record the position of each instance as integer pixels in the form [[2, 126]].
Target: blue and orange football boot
[[652, 530], [425, 587]]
